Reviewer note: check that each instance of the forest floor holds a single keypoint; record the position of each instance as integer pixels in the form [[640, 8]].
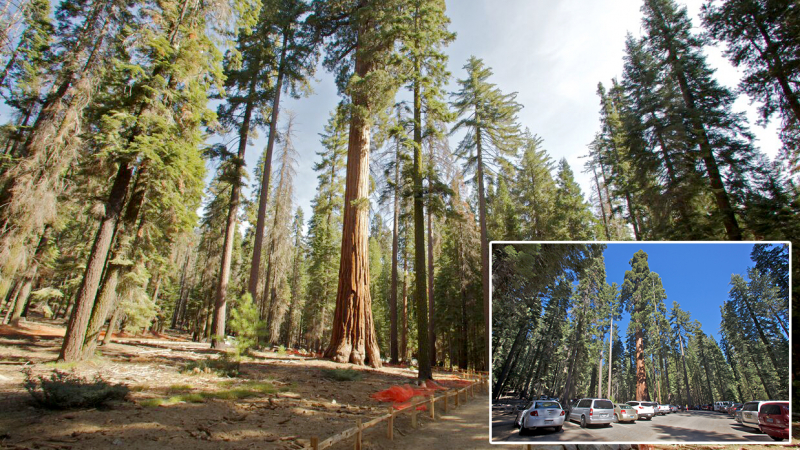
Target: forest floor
[[278, 400]]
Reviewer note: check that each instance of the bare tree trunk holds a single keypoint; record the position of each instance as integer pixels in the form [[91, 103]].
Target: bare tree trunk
[[424, 333], [179, 303], [395, 247], [263, 196], [602, 205], [220, 304], [685, 372], [404, 331], [431, 303], [484, 248], [112, 325], [84, 301]]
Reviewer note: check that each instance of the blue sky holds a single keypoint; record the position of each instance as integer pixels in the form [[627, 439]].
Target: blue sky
[[696, 275]]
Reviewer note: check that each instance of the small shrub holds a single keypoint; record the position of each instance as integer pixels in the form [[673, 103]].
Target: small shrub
[[179, 389], [64, 390], [281, 350], [224, 366], [246, 325], [190, 398], [342, 374], [151, 402]]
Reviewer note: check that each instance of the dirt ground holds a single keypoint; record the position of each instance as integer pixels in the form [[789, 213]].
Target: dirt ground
[[304, 403]]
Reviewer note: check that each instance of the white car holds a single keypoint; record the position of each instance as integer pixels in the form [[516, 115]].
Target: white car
[[540, 414], [664, 410], [645, 410]]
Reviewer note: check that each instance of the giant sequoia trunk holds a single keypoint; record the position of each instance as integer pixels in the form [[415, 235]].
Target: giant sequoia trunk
[[353, 337], [641, 376]]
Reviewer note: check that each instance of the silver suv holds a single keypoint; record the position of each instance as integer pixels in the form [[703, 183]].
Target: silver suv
[[590, 411]]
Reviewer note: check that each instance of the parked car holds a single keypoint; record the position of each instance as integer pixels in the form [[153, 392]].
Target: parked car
[[733, 408], [673, 408], [590, 411], [624, 413], [571, 406], [722, 406], [645, 410], [750, 413], [773, 419], [540, 414], [662, 409], [738, 415]]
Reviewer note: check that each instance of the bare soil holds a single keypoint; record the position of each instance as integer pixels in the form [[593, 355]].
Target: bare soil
[[305, 403]]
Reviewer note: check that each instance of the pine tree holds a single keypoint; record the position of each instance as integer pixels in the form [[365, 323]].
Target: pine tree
[[279, 250], [489, 118], [572, 219], [724, 144], [29, 189], [535, 191], [424, 36], [162, 116], [294, 63], [760, 38]]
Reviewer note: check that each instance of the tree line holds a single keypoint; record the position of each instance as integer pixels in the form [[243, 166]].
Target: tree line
[[119, 109], [556, 329]]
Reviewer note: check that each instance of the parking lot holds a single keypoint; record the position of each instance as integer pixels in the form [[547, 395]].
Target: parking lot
[[691, 426]]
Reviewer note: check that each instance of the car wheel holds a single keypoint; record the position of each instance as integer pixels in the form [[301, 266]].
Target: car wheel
[[560, 427], [583, 421], [606, 425], [776, 438], [650, 418], [522, 431], [616, 419]]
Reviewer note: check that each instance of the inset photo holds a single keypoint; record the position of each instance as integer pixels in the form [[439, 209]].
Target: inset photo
[[640, 342]]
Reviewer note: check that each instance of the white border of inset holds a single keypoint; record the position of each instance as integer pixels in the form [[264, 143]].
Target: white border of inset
[[491, 356]]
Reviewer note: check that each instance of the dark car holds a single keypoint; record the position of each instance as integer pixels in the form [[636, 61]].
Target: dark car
[[773, 419]]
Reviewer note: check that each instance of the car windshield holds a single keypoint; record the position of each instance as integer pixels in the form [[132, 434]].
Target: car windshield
[[547, 405], [603, 404], [649, 404]]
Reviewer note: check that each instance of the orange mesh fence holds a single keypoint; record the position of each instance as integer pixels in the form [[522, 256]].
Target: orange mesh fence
[[400, 396]]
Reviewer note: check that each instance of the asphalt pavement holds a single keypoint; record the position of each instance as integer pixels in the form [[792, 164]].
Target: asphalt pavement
[[689, 426]]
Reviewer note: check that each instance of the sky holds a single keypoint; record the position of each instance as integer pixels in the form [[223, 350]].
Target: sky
[[697, 276], [552, 54]]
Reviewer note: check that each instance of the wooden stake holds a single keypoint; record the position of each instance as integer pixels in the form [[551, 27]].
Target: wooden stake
[[414, 416], [390, 430], [457, 397], [433, 415], [358, 435], [314, 442], [446, 400]]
